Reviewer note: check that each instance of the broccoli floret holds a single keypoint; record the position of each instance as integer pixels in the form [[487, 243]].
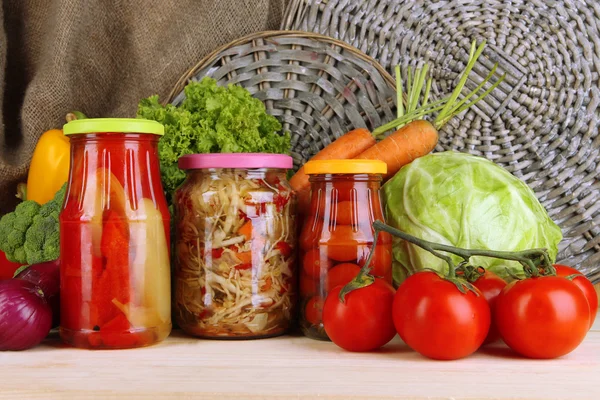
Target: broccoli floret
[[42, 239], [30, 234], [13, 229]]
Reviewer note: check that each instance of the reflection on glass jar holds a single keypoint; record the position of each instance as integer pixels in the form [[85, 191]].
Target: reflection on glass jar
[[337, 236], [235, 246]]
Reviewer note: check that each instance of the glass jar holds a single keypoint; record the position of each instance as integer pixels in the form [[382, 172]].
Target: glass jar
[[337, 236], [114, 237], [235, 246]]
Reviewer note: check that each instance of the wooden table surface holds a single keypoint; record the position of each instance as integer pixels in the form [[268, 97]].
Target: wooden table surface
[[292, 367]]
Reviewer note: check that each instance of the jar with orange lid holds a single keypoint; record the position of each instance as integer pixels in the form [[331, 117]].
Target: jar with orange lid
[[338, 235]]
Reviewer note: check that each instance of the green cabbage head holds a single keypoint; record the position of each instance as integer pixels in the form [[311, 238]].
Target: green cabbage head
[[465, 201]]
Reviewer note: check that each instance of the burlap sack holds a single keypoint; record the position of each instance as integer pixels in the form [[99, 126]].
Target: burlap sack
[[101, 57]]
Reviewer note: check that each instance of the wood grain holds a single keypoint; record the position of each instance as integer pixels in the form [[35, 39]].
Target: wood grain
[[291, 367]]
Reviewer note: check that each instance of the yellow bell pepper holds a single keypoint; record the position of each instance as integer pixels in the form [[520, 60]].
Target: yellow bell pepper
[[49, 168]]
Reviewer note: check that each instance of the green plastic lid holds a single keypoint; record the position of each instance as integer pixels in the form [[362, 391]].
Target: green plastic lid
[[121, 125]]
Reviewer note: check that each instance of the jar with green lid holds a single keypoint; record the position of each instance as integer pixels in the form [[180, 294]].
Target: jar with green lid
[[114, 237]]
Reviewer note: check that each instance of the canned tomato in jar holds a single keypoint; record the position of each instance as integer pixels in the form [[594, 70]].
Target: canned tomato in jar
[[235, 246], [115, 289], [337, 235]]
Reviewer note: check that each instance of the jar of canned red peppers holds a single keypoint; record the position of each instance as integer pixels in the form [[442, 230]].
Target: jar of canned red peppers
[[337, 236], [115, 283], [235, 246]]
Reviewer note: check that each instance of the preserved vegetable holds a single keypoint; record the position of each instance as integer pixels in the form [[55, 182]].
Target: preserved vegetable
[[235, 269], [115, 272], [337, 236]]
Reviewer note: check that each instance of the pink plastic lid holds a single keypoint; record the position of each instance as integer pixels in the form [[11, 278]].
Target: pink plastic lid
[[235, 160]]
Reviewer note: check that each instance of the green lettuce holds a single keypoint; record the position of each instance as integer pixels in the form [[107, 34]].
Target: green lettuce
[[211, 119], [465, 201]]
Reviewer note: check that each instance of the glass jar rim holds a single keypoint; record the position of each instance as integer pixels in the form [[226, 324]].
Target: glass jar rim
[[319, 167], [113, 125], [235, 160], [313, 178]]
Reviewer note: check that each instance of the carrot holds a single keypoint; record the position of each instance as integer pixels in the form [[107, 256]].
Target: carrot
[[245, 257], [347, 146], [246, 230], [414, 136], [267, 285], [414, 140]]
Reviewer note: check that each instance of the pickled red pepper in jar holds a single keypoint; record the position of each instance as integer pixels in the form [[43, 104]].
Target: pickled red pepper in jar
[[337, 235], [114, 227]]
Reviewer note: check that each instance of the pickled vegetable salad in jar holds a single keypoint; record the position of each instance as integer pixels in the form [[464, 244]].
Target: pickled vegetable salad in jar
[[235, 246]]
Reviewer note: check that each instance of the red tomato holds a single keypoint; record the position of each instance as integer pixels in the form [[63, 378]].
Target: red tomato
[[545, 317], [364, 321], [490, 285], [346, 213], [7, 268], [242, 267], [309, 236], [315, 263], [341, 274], [308, 286], [381, 263], [284, 248], [585, 285], [437, 320], [217, 253], [343, 243], [313, 311]]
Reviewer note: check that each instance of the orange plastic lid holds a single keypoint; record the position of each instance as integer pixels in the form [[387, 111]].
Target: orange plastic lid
[[345, 167]]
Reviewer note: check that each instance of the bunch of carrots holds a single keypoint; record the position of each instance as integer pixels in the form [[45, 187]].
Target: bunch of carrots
[[413, 136]]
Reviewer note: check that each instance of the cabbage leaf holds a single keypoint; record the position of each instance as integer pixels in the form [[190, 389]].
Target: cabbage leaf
[[465, 201]]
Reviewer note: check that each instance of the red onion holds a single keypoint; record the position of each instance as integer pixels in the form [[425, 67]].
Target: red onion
[[25, 316], [47, 276]]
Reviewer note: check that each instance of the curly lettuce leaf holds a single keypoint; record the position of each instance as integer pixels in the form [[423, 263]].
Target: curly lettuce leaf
[[212, 119]]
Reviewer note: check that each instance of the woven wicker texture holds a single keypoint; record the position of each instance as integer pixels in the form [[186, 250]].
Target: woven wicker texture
[[541, 123], [319, 88]]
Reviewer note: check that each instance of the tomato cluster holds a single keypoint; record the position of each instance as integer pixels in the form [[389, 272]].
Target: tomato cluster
[[336, 241], [449, 318]]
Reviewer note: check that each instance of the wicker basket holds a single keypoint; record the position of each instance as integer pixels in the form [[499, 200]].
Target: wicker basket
[[318, 87], [321, 87], [541, 123]]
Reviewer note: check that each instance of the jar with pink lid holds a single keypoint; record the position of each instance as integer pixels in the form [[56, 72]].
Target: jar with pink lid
[[235, 246]]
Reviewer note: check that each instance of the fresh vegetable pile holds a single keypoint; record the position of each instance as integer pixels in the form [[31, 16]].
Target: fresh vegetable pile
[[449, 316], [474, 251]]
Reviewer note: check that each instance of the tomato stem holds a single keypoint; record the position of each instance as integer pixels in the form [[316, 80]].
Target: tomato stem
[[470, 272], [363, 278], [532, 260]]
